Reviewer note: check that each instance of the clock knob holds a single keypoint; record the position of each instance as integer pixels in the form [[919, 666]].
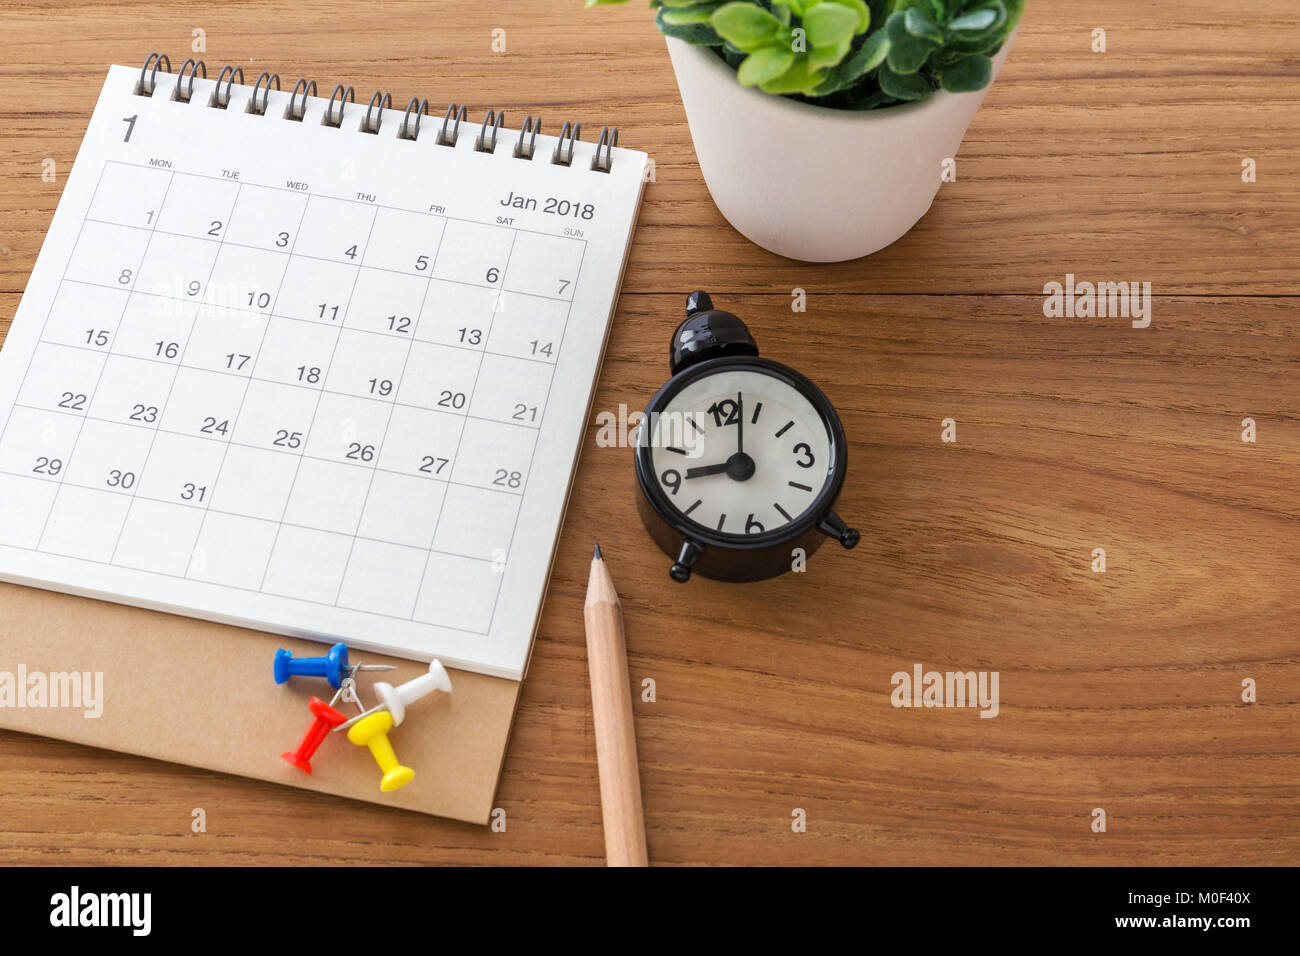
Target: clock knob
[[708, 333], [833, 526], [686, 558]]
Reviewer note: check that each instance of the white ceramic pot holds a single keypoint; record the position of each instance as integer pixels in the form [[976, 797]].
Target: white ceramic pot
[[813, 183]]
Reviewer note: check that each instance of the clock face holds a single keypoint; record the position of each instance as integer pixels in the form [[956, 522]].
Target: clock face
[[740, 452]]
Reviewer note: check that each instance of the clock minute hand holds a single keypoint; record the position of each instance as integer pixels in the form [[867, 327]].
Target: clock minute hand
[[705, 470], [740, 424]]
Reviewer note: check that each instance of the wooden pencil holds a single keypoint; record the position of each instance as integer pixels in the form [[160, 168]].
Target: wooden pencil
[[611, 705]]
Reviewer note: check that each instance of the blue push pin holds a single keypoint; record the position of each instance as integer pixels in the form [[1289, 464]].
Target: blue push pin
[[333, 666]]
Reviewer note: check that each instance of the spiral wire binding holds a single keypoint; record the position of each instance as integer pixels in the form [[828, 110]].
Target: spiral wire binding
[[531, 126], [484, 142], [572, 132], [459, 113], [307, 88], [228, 74], [493, 119], [385, 102], [609, 141], [155, 60], [193, 66], [266, 94], [423, 106], [344, 96]]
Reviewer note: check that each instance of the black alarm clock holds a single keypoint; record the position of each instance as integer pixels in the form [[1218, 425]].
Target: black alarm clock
[[739, 458]]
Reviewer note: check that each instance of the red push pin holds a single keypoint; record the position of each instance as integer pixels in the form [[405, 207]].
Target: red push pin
[[327, 718]]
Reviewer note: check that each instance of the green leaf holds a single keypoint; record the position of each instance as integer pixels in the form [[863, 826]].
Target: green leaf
[[863, 60], [796, 6], [981, 43], [922, 27], [1015, 10], [962, 43], [968, 75], [867, 57], [977, 21], [765, 65], [824, 57], [830, 24], [907, 52], [686, 15], [860, 7], [798, 79], [697, 34], [997, 25], [747, 26], [904, 86], [596, 3], [782, 12]]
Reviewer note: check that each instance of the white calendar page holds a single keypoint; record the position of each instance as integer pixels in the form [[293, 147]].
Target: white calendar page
[[308, 379]]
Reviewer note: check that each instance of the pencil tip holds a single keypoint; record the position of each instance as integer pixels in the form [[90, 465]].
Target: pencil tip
[[596, 555]]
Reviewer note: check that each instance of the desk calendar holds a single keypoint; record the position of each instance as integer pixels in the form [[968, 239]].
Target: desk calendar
[[311, 366]]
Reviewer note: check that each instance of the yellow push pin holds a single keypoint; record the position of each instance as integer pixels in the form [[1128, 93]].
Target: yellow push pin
[[372, 732]]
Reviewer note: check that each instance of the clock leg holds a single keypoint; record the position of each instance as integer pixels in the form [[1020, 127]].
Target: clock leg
[[686, 558], [833, 526]]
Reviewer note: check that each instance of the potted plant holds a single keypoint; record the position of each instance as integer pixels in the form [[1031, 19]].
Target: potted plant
[[822, 126]]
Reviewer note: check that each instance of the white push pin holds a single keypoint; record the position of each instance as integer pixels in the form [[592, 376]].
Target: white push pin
[[395, 700]]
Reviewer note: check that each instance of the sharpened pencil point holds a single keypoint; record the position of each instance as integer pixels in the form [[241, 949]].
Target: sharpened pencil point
[[596, 555]]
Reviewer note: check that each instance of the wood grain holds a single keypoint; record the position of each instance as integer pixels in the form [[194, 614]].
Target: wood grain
[[1119, 690]]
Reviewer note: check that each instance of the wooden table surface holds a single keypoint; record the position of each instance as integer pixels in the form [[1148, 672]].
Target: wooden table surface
[[1119, 690]]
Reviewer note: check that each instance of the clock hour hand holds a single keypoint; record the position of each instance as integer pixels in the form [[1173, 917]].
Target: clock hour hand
[[739, 467], [705, 470]]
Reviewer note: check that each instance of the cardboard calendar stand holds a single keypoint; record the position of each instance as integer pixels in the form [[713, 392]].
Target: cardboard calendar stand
[[219, 709]]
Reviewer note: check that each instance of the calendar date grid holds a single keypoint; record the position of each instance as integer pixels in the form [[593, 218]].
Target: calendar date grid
[[253, 590], [115, 477], [427, 476], [292, 318], [514, 529], [377, 268], [292, 244], [170, 388], [543, 349], [244, 368], [523, 475], [334, 197], [388, 422]]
